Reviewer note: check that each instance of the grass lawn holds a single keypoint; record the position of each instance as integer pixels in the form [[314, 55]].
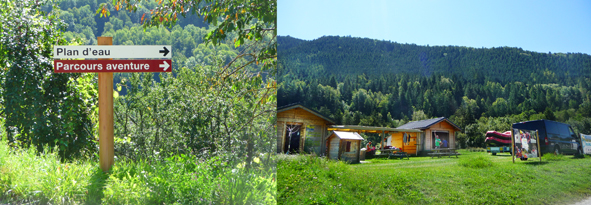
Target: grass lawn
[[29, 178], [473, 178]]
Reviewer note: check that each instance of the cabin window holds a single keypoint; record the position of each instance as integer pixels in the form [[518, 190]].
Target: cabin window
[[348, 146]]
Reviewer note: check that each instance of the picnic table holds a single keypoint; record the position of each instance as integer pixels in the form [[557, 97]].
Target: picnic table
[[394, 152], [444, 152]]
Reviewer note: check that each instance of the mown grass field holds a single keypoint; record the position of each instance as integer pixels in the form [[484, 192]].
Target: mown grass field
[[27, 177], [473, 178]]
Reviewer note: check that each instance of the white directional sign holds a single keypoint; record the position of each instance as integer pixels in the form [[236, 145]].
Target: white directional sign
[[127, 52]]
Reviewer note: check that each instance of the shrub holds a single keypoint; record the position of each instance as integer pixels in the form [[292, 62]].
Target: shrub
[[194, 113], [42, 107]]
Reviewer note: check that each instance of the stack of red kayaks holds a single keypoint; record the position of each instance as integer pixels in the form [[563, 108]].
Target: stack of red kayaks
[[497, 138]]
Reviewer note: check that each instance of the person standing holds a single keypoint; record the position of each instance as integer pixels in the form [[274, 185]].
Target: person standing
[[444, 143], [437, 142]]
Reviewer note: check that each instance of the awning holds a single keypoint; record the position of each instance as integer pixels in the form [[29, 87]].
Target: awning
[[348, 135], [369, 129]]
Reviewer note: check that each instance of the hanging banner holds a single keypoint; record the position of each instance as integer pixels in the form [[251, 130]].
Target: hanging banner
[[586, 141], [525, 144]]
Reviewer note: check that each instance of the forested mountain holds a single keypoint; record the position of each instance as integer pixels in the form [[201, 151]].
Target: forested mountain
[[381, 83], [341, 56], [83, 21]]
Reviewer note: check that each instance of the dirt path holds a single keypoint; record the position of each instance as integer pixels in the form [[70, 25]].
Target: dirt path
[[583, 202]]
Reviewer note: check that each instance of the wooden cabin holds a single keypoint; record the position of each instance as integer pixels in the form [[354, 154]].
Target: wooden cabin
[[389, 136], [301, 129], [344, 146], [441, 127]]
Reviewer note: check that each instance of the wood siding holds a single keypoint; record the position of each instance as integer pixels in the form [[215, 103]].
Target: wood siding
[[300, 115], [280, 136], [333, 148], [309, 121], [352, 156], [410, 147]]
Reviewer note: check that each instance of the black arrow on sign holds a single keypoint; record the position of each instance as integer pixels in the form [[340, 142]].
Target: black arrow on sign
[[165, 51]]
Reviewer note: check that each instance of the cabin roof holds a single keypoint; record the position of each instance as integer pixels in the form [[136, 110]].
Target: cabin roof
[[348, 135], [297, 105], [425, 124]]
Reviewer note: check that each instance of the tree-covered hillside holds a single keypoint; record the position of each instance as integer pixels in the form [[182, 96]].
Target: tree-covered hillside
[[83, 22], [341, 56], [381, 83]]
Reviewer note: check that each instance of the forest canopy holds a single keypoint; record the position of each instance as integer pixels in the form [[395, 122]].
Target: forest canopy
[[360, 81]]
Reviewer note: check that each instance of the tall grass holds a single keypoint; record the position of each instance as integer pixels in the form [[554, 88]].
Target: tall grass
[[29, 177], [314, 180], [25, 177]]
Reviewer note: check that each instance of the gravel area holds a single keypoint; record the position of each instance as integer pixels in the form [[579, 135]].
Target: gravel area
[[584, 202]]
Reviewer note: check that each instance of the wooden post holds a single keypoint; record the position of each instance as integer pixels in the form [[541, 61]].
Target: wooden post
[[382, 135], [512, 145], [106, 142], [283, 138], [359, 152], [417, 142], [538, 141]]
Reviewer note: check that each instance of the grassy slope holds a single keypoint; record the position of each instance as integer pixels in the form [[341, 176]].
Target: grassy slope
[[26, 177], [423, 180]]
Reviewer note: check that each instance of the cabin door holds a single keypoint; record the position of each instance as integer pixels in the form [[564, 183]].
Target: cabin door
[[292, 138]]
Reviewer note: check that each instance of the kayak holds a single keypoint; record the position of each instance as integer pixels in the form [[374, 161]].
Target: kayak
[[504, 135], [495, 140]]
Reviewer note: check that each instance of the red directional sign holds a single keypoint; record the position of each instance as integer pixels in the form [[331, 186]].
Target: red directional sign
[[114, 66]]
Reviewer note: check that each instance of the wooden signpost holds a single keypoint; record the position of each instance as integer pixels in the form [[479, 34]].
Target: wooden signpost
[[142, 60]]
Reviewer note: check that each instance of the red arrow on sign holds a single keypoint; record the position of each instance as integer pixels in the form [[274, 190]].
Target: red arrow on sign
[[111, 66]]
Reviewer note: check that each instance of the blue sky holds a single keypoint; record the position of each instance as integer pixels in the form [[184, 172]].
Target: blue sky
[[541, 26]]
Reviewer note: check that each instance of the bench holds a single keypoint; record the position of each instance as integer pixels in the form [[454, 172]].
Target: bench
[[444, 152], [400, 155]]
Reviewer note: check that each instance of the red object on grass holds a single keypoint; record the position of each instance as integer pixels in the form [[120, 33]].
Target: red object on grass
[[502, 141], [496, 134]]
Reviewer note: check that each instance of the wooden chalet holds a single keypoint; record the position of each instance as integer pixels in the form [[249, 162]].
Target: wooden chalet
[[300, 129], [344, 146], [441, 127]]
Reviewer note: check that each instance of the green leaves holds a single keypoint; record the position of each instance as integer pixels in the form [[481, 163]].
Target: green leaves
[[41, 107], [196, 112], [250, 23]]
